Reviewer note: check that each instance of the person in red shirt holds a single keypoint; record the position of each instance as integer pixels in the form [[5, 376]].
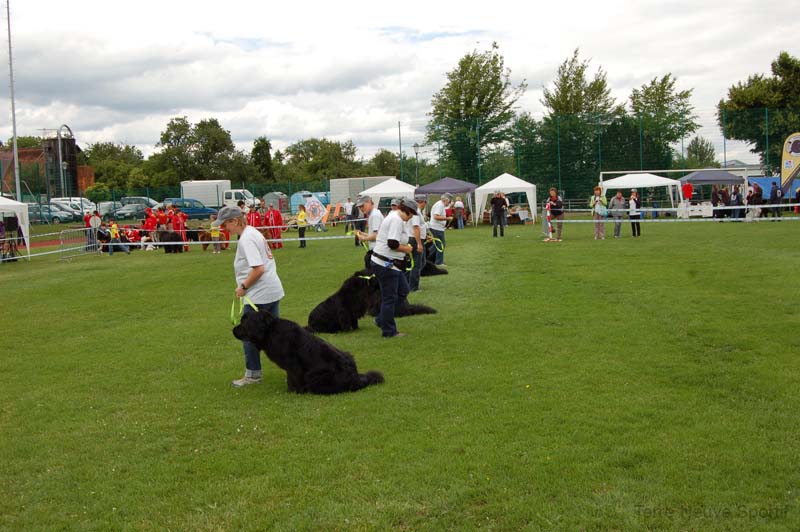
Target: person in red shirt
[[179, 224], [253, 217], [86, 218], [161, 219], [274, 221], [688, 190]]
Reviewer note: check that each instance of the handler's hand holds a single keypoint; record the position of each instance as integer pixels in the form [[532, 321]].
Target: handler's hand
[[240, 292], [419, 248]]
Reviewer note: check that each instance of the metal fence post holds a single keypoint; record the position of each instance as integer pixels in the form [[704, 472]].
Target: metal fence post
[[766, 133], [558, 150], [724, 137], [400, 143]]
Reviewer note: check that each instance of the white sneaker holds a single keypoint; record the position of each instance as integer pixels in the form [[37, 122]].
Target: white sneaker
[[244, 381]]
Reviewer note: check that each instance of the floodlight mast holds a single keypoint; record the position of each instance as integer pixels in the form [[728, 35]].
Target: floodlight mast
[[13, 105]]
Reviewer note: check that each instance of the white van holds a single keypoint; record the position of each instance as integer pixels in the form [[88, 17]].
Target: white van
[[233, 197], [76, 203]]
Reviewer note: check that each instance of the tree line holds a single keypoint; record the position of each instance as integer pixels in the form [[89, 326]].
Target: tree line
[[476, 130]]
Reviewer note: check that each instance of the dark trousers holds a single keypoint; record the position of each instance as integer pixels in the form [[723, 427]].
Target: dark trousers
[[302, 231], [439, 254], [636, 228], [394, 289], [419, 263], [498, 220], [252, 355]]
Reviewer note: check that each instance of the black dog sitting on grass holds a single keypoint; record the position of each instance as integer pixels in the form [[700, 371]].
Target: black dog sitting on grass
[[359, 294], [312, 365], [341, 311], [430, 258]]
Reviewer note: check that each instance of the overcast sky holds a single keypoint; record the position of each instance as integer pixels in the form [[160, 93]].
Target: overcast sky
[[118, 72]]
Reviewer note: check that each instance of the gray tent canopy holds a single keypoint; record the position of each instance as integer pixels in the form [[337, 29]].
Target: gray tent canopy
[[713, 177], [447, 184]]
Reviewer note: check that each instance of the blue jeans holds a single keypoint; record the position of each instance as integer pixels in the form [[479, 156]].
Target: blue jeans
[[252, 354], [394, 289], [439, 254], [116, 243], [459, 219]]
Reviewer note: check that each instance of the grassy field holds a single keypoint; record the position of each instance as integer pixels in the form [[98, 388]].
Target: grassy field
[[618, 385]]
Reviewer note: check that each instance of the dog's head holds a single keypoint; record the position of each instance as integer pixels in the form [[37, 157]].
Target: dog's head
[[254, 327]]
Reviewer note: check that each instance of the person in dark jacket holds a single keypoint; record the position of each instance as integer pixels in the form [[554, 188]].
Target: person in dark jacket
[[775, 197], [556, 211]]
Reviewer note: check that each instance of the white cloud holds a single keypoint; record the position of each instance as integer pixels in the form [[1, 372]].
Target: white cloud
[[353, 69]]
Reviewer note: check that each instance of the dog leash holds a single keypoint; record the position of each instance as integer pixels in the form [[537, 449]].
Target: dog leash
[[438, 244], [242, 301]]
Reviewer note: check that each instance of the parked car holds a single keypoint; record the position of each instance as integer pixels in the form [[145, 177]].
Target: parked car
[[142, 200], [132, 210], [71, 207], [193, 208], [69, 214], [78, 203], [106, 209], [45, 214]]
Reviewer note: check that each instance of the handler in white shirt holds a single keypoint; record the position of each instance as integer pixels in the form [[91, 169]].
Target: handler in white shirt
[[387, 264], [437, 225], [374, 221]]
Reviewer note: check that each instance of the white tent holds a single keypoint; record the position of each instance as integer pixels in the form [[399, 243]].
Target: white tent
[[643, 181], [507, 184], [9, 208], [392, 188]]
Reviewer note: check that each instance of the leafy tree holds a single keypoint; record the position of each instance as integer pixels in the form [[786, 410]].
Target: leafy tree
[[575, 94], [98, 192], [177, 143], [764, 109], [320, 158], [475, 109], [385, 162], [212, 149], [262, 159], [701, 154], [668, 112], [25, 142]]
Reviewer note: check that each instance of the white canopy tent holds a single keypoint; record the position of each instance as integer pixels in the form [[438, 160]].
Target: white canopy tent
[[393, 188], [643, 180], [8, 208], [507, 184]]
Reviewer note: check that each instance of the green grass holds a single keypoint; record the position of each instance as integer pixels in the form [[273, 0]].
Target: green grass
[[615, 385]]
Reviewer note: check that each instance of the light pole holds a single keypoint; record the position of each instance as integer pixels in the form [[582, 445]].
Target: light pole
[[62, 164], [416, 166], [64, 167]]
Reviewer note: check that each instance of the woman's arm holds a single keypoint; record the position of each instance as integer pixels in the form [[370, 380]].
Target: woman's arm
[[254, 275]]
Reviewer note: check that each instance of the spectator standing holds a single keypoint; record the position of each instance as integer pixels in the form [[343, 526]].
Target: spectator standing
[[499, 211], [617, 209], [687, 189], [634, 213], [387, 264], [256, 277], [347, 210], [598, 204], [437, 225], [94, 223], [374, 220], [301, 224], [458, 207], [274, 221], [775, 198], [556, 211], [253, 217], [736, 201]]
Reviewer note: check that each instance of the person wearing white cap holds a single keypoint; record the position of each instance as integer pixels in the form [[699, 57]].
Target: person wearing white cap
[[437, 225], [256, 277], [374, 221], [388, 264]]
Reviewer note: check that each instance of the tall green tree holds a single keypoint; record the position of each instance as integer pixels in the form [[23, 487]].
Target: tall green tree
[[385, 162], [574, 93], [764, 110], [212, 150], [701, 154], [475, 109], [262, 159], [667, 111], [320, 158], [175, 160]]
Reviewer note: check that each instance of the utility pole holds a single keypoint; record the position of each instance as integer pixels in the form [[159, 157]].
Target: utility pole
[[17, 181]]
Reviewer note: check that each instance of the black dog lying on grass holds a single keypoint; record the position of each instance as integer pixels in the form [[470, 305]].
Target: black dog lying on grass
[[430, 258], [312, 365], [359, 294], [342, 310]]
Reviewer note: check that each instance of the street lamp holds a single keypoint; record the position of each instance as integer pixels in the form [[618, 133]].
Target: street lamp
[[416, 166], [64, 177]]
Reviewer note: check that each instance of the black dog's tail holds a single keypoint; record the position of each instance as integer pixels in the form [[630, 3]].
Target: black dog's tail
[[408, 309], [370, 377]]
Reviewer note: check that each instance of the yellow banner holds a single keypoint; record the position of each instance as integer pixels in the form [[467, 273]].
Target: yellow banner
[[790, 167]]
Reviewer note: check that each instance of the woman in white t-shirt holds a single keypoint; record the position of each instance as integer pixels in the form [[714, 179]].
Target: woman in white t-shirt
[[391, 246], [458, 207], [256, 277]]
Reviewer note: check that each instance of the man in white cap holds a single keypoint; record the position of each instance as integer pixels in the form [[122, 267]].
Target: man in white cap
[[256, 277], [374, 221], [437, 225]]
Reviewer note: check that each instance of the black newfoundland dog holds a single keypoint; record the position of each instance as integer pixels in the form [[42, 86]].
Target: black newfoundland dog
[[430, 258], [169, 241], [341, 311], [312, 365], [359, 294]]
